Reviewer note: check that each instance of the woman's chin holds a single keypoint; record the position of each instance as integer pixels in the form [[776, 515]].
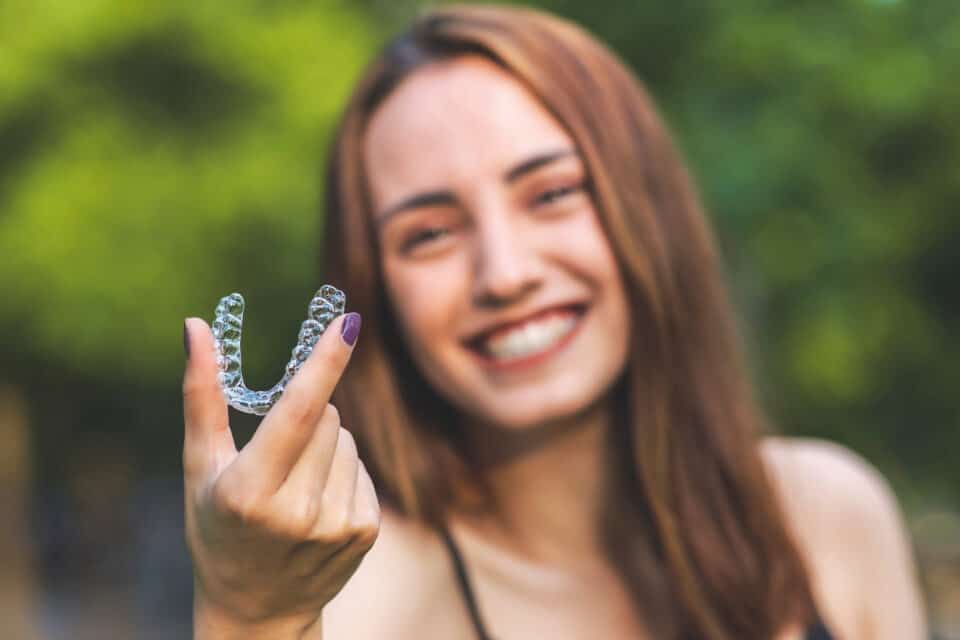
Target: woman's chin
[[530, 416]]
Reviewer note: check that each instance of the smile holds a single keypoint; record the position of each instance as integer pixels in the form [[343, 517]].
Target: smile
[[532, 341]]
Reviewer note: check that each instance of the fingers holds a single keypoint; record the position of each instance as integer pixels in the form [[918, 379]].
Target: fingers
[[338, 492], [284, 434], [317, 499], [310, 472], [208, 442], [366, 506]]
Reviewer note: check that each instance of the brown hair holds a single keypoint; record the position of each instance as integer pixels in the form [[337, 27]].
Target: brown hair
[[691, 521]]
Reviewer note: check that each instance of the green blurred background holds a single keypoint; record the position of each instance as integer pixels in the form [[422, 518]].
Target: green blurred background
[[156, 156]]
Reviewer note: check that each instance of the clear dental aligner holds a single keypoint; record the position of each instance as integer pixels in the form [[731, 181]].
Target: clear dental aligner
[[328, 303]]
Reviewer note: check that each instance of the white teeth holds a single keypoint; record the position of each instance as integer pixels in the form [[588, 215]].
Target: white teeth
[[530, 338]]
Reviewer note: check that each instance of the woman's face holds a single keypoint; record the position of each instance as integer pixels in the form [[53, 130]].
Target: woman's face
[[496, 266]]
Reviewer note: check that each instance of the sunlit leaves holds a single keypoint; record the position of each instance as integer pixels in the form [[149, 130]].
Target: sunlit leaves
[[142, 149]]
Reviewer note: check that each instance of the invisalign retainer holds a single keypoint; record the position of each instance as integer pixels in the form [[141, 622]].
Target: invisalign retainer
[[328, 303]]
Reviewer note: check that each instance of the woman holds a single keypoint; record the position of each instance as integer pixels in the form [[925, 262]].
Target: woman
[[548, 395]]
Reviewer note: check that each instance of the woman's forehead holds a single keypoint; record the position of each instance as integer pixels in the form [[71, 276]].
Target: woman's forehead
[[453, 120]]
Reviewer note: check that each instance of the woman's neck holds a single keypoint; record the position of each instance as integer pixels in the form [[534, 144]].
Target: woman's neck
[[547, 482]]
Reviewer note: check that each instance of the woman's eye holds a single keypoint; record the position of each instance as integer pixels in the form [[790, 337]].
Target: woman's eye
[[553, 195], [421, 237]]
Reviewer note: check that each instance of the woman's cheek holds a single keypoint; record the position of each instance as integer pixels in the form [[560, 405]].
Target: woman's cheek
[[426, 298], [591, 244]]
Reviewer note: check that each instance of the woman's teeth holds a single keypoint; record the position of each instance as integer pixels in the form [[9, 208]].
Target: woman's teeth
[[530, 338]]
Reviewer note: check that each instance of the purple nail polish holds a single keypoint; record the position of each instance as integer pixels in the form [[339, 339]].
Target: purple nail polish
[[186, 339], [350, 328]]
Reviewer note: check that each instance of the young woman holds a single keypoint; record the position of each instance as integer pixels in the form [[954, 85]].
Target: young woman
[[548, 395]]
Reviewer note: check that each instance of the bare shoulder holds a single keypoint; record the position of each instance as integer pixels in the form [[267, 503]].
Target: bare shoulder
[[821, 480], [396, 588], [846, 520]]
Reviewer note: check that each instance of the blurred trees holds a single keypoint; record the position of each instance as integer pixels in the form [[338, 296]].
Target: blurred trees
[[824, 137], [155, 157], [153, 160]]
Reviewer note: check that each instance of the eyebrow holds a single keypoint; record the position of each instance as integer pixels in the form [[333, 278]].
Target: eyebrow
[[433, 198], [535, 163]]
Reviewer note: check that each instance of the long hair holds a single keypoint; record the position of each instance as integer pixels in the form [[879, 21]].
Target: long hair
[[690, 519]]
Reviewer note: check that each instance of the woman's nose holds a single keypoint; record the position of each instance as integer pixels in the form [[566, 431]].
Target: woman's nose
[[507, 266]]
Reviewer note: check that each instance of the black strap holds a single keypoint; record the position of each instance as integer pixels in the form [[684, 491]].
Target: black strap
[[465, 588], [816, 631]]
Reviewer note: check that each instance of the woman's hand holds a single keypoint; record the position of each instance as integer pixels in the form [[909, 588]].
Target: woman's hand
[[276, 529]]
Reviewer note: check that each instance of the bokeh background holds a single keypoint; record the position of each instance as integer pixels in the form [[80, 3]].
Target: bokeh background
[[156, 156]]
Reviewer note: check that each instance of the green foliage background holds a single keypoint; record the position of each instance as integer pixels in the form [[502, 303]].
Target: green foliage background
[[155, 157]]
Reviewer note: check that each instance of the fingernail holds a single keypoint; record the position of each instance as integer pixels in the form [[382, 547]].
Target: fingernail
[[186, 339], [350, 328]]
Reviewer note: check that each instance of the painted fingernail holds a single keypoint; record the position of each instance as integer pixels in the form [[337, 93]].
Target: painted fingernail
[[186, 339], [350, 328]]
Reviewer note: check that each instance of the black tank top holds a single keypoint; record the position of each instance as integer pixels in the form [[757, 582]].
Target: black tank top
[[817, 631]]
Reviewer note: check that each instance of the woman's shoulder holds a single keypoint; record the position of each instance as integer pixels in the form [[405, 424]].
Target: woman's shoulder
[[400, 588], [846, 521], [822, 479]]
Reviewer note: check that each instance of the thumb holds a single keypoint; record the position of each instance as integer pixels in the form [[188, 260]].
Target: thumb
[[208, 442]]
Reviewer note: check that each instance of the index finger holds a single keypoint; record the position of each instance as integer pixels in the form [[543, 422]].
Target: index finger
[[208, 440], [286, 430]]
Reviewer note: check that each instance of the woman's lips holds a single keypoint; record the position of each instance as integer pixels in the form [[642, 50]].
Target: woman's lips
[[553, 328]]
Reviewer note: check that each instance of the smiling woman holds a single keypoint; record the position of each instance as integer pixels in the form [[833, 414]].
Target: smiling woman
[[549, 393], [501, 278]]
